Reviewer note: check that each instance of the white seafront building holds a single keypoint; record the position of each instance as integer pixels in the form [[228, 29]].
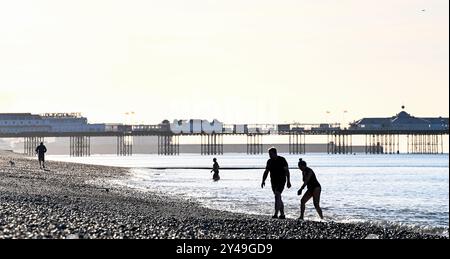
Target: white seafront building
[[196, 126]]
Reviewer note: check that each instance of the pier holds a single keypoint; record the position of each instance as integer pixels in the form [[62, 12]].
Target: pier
[[337, 141], [391, 135]]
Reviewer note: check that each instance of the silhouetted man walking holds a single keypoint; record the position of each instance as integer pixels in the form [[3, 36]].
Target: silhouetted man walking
[[279, 174], [40, 150]]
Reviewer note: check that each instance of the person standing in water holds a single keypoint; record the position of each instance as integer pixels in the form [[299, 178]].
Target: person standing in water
[[279, 175], [40, 150], [215, 169], [314, 189]]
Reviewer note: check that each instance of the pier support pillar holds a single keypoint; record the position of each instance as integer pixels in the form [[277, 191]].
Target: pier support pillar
[[124, 145], [417, 144], [328, 144], [339, 143], [254, 144], [297, 143], [392, 143], [378, 145], [407, 144], [335, 142], [168, 145], [436, 144], [80, 146], [348, 144], [351, 144], [211, 144], [365, 145], [344, 143], [423, 143], [30, 144], [398, 145]]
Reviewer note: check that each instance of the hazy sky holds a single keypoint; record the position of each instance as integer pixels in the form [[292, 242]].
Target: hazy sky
[[234, 60]]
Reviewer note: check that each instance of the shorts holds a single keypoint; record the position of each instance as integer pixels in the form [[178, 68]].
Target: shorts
[[41, 157], [278, 187]]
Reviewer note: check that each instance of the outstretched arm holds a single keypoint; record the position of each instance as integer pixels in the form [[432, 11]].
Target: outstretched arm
[[288, 176], [266, 172]]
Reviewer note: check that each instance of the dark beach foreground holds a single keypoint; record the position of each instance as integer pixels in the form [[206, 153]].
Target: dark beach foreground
[[78, 201]]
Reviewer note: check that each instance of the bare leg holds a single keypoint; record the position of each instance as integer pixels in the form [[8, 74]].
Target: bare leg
[[276, 206], [316, 200], [303, 201], [281, 206], [278, 203]]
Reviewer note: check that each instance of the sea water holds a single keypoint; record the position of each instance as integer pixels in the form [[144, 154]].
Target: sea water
[[400, 189]]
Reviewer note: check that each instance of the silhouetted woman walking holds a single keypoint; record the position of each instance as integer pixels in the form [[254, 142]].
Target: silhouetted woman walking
[[314, 189]]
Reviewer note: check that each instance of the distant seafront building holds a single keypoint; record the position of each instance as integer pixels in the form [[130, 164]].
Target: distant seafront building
[[195, 126], [401, 121], [49, 122]]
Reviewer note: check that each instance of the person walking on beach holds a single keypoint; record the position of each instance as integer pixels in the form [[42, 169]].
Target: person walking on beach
[[314, 189], [40, 150], [279, 175], [216, 176]]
